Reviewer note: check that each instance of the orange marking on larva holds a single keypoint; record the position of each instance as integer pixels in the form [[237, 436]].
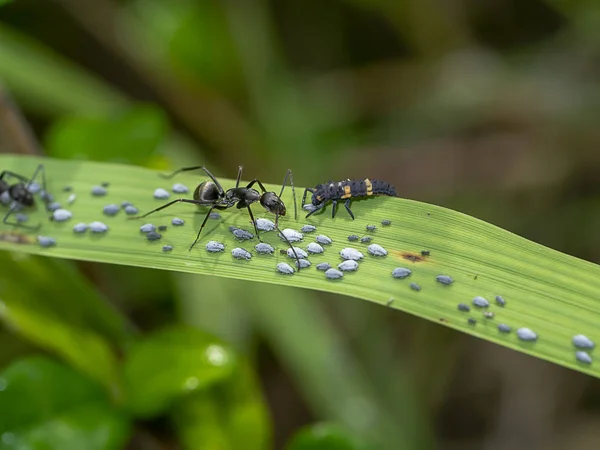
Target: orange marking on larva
[[319, 197], [369, 186], [347, 192]]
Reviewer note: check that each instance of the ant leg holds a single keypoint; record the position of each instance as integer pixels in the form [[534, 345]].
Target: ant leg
[[253, 222], [318, 208], [239, 176], [17, 224], [253, 182], [44, 193], [304, 196], [186, 169], [12, 174], [347, 205], [289, 174], [204, 223], [291, 246], [185, 200], [333, 208]]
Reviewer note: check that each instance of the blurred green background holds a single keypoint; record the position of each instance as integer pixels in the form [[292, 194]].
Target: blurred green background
[[485, 106]]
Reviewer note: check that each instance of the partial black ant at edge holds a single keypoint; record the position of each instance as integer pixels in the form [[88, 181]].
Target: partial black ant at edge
[[20, 195], [211, 193], [345, 190]]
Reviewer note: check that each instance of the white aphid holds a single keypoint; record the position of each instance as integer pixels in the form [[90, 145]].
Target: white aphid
[[581, 341], [301, 253], [401, 272], [351, 253], [61, 215], [240, 253], [583, 357], [323, 266], [308, 229], [179, 188], [98, 227], [215, 246], [333, 274], [80, 227], [177, 221], [46, 241], [323, 240], [71, 199], [5, 198], [303, 263], [292, 235], [377, 250], [265, 225], [111, 210], [309, 207], [285, 268], [348, 266], [481, 302], [444, 279], [161, 194], [34, 188], [242, 234], [525, 334], [314, 248], [264, 248], [147, 228], [98, 191]]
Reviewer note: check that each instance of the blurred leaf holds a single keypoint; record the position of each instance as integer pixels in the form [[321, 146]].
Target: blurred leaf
[[4, 2], [66, 321], [551, 293], [129, 137], [46, 405], [230, 415], [181, 361], [326, 436]]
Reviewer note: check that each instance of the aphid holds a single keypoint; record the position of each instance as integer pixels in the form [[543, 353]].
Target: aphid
[[500, 301], [581, 341], [366, 239], [241, 253], [242, 234], [20, 194], [415, 287], [126, 204], [351, 253], [71, 199], [147, 227], [111, 210], [348, 266], [480, 302], [215, 246], [153, 236], [285, 268], [386, 223], [323, 240], [291, 235], [334, 274], [296, 251], [67, 188], [162, 228], [503, 328], [345, 190], [105, 184], [80, 227], [302, 263], [314, 248], [425, 253], [98, 191], [161, 194], [61, 215], [371, 228], [444, 279], [309, 207], [177, 222], [583, 357], [264, 248], [353, 238], [130, 210], [463, 307], [390, 301], [45, 241], [377, 250], [98, 227], [211, 193], [20, 217], [323, 266], [214, 215], [525, 334], [471, 321], [401, 272], [488, 315], [54, 206], [308, 229], [265, 225], [167, 248], [179, 188]]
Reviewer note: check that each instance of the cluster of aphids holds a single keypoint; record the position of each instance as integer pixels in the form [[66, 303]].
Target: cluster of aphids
[[211, 194]]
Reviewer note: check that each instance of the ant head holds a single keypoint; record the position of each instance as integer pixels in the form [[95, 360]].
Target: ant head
[[272, 203], [19, 193], [207, 191]]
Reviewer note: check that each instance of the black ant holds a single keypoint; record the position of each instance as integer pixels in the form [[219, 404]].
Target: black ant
[[20, 195], [211, 193]]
